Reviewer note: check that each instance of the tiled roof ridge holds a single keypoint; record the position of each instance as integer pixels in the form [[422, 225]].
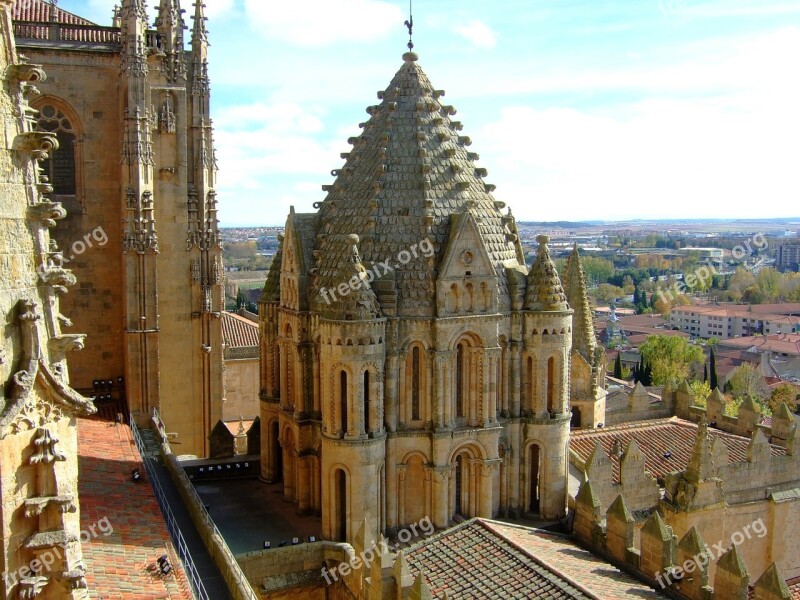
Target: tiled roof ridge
[[406, 174], [630, 426], [544, 290], [553, 574], [38, 11]]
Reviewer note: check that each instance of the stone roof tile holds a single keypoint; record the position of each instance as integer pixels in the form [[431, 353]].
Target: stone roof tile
[[473, 560], [407, 172]]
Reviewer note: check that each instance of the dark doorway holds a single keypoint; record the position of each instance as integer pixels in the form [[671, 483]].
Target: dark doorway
[[534, 490]]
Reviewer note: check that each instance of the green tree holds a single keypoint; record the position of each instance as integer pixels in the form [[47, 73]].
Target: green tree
[[670, 358], [785, 392], [746, 380], [701, 392], [713, 382], [618, 366]]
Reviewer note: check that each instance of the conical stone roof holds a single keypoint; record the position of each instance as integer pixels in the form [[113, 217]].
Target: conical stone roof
[[407, 173], [583, 337], [544, 291]]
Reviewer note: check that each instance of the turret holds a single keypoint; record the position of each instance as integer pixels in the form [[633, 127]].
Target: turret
[[587, 372], [170, 26], [352, 355]]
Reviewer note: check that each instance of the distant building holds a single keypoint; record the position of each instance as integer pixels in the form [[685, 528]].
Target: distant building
[[734, 320], [788, 258]]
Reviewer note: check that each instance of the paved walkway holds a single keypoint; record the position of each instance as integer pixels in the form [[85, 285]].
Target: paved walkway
[[123, 530], [209, 573], [249, 512]]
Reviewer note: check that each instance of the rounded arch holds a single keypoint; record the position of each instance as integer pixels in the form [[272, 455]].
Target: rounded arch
[[468, 338], [473, 448], [412, 454], [408, 342]]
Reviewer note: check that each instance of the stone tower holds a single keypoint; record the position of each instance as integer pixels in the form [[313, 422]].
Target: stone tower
[[396, 334], [40, 514], [588, 359], [151, 286]]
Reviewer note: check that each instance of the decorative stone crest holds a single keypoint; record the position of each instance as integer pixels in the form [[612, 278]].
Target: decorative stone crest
[[166, 115]]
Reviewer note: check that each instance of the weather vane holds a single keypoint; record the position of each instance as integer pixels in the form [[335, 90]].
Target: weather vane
[[410, 25]]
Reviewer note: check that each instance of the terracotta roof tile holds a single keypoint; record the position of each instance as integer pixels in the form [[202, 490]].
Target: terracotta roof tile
[[655, 438], [116, 563], [41, 12], [238, 332]]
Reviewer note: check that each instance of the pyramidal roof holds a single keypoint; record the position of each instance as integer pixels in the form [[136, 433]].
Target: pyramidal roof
[[544, 291], [583, 337], [407, 172]]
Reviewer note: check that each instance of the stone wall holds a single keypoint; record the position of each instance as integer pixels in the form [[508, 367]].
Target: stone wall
[[235, 579], [241, 389], [677, 557]]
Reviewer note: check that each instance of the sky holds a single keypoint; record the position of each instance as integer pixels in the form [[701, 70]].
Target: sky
[[579, 109]]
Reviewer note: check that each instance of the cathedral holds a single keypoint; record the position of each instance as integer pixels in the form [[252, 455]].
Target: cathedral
[[412, 364], [134, 173]]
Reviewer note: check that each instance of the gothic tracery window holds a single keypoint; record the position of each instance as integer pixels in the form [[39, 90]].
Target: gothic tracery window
[[59, 167]]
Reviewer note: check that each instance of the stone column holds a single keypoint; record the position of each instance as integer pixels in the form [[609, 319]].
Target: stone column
[[447, 384], [401, 494], [282, 376], [391, 393], [404, 412], [303, 485], [486, 471], [316, 402], [516, 368], [485, 389], [493, 356], [440, 370], [441, 496], [392, 492]]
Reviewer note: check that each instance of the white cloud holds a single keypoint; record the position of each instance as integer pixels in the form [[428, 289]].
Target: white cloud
[[215, 8], [323, 22], [478, 33]]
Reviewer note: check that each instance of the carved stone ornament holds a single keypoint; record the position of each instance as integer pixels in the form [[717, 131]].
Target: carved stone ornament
[[31, 587], [47, 212], [46, 451], [25, 72], [166, 116], [37, 144], [24, 411]]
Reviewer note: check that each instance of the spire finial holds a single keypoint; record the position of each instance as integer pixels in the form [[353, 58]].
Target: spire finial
[[410, 25]]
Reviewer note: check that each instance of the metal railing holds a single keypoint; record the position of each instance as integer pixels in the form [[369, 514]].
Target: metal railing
[[195, 582]]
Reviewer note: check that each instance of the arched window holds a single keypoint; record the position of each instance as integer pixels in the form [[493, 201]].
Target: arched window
[[366, 403], [460, 383], [343, 399], [551, 384], [415, 385], [59, 167]]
